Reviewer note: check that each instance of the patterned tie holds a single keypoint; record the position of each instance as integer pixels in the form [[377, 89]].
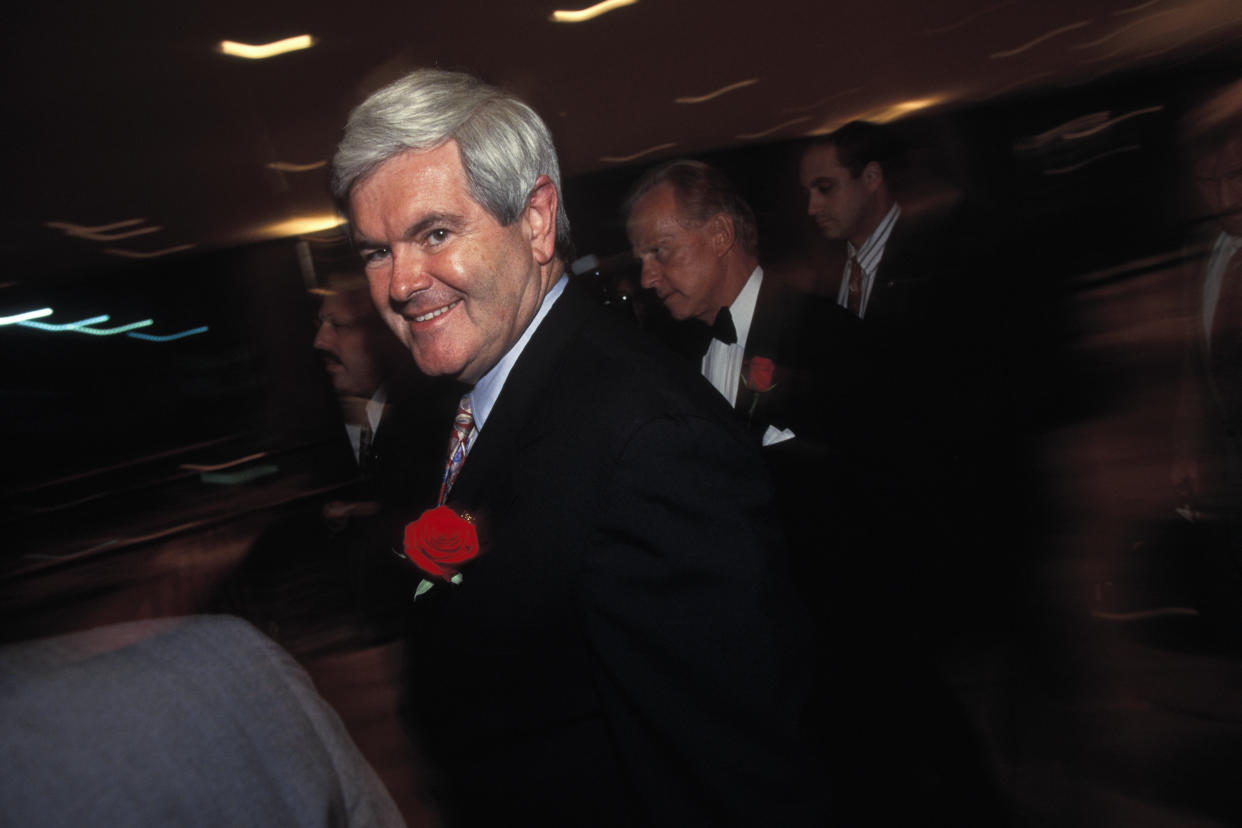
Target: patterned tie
[[459, 441], [853, 293]]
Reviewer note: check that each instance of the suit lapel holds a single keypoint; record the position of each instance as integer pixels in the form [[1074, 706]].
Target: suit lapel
[[512, 421]]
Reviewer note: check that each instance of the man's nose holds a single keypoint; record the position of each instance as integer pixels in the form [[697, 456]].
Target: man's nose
[[323, 335], [410, 274], [650, 275]]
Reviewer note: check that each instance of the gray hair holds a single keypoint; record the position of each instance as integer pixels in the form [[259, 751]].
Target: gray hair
[[702, 191], [504, 145]]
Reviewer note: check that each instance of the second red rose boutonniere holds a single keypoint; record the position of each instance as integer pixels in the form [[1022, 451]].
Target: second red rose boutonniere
[[439, 543], [759, 376]]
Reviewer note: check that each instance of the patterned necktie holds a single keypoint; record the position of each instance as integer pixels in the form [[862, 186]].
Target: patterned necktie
[[459, 441], [853, 293]]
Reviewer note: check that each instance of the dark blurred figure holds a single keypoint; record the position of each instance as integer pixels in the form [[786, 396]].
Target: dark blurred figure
[[923, 280], [1207, 468], [790, 364], [384, 399]]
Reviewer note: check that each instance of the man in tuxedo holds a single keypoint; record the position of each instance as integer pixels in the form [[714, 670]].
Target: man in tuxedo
[[765, 343], [851, 515], [624, 649]]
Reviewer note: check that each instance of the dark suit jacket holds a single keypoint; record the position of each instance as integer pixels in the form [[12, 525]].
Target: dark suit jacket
[[626, 650], [860, 529]]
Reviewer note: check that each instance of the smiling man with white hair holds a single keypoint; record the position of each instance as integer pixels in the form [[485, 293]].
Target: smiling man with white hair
[[624, 649]]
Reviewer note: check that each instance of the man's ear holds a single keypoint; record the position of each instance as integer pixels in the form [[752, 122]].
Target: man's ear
[[873, 176], [539, 219], [723, 234]]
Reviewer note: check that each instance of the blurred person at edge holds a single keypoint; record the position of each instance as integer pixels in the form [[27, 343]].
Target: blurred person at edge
[[625, 648], [1207, 464]]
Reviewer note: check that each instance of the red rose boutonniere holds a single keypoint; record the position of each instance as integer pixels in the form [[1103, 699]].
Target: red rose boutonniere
[[758, 375], [439, 543]]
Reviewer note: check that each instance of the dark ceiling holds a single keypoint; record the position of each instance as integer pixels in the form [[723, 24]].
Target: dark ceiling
[[127, 113]]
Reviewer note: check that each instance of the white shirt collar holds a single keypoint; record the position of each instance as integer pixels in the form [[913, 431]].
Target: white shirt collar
[[743, 308]]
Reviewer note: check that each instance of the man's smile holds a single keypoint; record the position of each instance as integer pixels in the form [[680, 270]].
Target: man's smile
[[440, 311]]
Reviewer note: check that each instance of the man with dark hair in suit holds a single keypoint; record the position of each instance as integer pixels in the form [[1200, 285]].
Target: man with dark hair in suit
[[620, 646], [896, 266]]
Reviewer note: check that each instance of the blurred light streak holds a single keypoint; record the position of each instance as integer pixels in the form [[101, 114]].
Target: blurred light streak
[[621, 159], [1092, 160], [724, 90], [750, 136], [101, 234], [67, 326], [1048, 36], [200, 467], [1072, 136], [154, 254], [117, 330], [169, 337], [589, 13], [70, 227], [284, 166], [1120, 30], [898, 110], [822, 101], [18, 318], [1137, 8], [1009, 87], [301, 225], [970, 18], [262, 51]]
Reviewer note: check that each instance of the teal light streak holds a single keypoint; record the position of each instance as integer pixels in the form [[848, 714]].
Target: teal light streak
[[169, 337], [18, 318], [68, 326], [117, 330]]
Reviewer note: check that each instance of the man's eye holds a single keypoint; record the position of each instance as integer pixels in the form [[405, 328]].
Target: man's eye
[[374, 256], [437, 236]]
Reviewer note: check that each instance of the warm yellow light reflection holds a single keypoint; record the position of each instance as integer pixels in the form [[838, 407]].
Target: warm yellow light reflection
[[266, 50], [885, 114], [300, 225], [904, 108], [285, 166], [583, 15]]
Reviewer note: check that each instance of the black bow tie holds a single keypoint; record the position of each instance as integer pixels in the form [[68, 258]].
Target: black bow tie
[[723, 329]]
